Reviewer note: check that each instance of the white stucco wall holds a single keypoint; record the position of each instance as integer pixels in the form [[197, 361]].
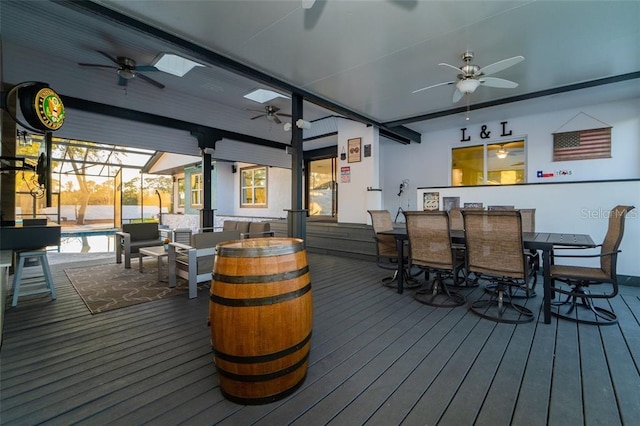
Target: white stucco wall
[[228, 191], [353, 197]]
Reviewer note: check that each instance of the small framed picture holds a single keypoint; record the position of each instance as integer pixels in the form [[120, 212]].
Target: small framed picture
[[450, 202], [354, 148], [431, 201]]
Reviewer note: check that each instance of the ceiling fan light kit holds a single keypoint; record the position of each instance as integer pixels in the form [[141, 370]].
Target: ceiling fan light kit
[[126, 73], [468, 86], [502, 153]]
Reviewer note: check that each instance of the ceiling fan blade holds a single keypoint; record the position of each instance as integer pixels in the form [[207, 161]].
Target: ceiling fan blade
[[122, 81], [258, 116], [276, 119], [97, 66], [432, 86], [457, 95], [109, 57], [500, 65], [284, 115], [450, 66], [498, 82], [307, 4], [150, 80], [146, 68]]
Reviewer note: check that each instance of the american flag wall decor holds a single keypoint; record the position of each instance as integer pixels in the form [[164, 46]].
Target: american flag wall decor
[[582, 144]]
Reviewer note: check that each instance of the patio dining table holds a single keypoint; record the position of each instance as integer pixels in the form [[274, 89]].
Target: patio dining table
[[543, 241]]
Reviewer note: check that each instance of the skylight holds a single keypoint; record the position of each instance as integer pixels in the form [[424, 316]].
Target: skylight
[[263, 95], [174, 64]]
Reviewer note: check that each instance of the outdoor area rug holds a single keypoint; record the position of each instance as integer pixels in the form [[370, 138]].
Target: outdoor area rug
[[111, 286]]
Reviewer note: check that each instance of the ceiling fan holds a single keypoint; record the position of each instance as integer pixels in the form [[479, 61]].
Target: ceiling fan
[[126, 69], [471, 76], [270, 113]]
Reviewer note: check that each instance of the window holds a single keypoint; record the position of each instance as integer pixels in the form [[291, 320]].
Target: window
[[196, 189], [181, 195], [492, 164], [253, 191]]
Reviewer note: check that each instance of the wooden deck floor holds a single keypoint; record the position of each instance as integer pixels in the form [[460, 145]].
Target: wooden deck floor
[[377, 358]]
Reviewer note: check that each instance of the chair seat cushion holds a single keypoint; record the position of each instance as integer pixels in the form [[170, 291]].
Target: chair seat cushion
[[579, 273]]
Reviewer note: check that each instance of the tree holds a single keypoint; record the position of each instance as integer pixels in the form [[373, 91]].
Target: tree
[[81, 157], [130, 192]]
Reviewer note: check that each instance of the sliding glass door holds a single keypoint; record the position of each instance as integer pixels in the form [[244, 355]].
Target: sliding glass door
[[322, 197]]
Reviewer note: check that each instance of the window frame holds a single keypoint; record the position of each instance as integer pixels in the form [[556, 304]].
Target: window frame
[[242, 187], [182, 196], [197, 192], [485, 161]]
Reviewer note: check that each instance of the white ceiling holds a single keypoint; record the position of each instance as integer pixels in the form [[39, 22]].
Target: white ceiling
[[365, 56]]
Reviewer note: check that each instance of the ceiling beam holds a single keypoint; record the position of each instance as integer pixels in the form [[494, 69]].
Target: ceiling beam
[[517, 98], [228, 64], [145, 117]]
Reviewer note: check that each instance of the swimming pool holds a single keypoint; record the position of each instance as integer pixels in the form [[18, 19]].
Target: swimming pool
[[87, 241]]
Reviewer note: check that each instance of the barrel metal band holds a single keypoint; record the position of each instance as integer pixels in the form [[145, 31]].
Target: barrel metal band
[[266, 251], [261, 301], [262, 358], [254, 279], [263, 399], [263, 377]]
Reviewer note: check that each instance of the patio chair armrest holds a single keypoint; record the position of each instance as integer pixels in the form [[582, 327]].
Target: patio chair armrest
[[123, 246], [590, 255], [179, 246], [560, 247], [123, 235]]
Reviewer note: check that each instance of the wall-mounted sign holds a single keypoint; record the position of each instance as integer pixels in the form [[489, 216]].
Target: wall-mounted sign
[[485, 133], [354, 146], [42, 107], [345, 174], [49, 108], [541, 174]]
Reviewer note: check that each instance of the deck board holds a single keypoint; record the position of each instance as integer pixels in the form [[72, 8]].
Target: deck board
[[469, 397], [503, 391], [377, 357]]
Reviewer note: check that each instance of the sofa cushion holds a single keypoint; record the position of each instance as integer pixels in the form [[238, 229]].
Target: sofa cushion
[[211, 239], [229, 225], [259, 227], [236, 225], [243, 226], [142, 231]]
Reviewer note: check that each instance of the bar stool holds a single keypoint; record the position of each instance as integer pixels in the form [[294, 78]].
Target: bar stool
[[24, 286]]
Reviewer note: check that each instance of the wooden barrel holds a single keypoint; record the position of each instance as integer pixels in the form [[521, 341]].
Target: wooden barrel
[[260, 315]]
